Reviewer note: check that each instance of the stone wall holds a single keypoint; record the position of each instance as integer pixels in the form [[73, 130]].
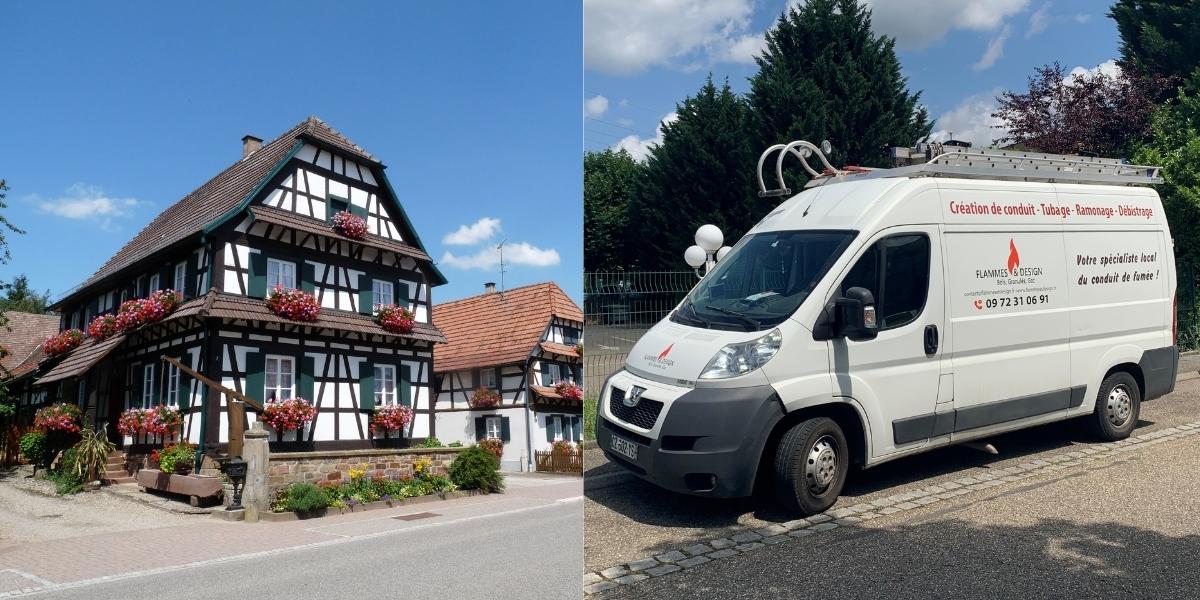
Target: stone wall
[[316, 467]]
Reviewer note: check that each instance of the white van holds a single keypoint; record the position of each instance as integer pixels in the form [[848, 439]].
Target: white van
[[883, 313]]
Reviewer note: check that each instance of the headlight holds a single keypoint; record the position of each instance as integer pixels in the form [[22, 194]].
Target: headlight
[[739, 359]]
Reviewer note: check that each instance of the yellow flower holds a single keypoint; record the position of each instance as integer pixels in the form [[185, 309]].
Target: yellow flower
[[357, 473]]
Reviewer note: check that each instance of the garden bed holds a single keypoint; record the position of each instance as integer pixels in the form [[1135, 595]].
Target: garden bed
[[198, 488], [377, 505]]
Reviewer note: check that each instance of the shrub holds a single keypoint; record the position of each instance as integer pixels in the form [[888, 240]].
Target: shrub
[[495, 446], [66, 478], [477, 469], [305, 497], [34, 447], [432, 442]]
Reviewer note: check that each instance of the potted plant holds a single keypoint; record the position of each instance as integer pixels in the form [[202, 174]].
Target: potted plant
[[484, 398], [102, 327], [176, 458], [286, 415], [391, 417], [293, 304], [350, 225], [395, 319], [63, 342], [132, 422], [162, 420]]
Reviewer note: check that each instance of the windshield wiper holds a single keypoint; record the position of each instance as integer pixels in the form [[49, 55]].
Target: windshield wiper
[[734, 313], [696, 317]]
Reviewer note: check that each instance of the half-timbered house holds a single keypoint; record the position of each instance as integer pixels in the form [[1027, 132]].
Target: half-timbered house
[[263, 222], [518, 343], [21, 338]]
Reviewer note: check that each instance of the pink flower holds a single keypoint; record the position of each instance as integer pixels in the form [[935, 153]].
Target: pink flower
[[63, 342], [395, 319], [288, 414], [293, 304], [350, 225], [391, 418]]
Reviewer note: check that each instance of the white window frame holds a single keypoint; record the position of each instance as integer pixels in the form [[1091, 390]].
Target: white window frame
[[278, 390], [488, 422], [281, 274], [555, 374], [147, 385], [384, 396], [378, 298], [172, 382], [180, 277], [153, 284], [557, 424], [487, 379]]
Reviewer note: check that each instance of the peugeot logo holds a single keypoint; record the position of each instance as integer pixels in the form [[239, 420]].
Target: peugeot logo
[[633, 397]]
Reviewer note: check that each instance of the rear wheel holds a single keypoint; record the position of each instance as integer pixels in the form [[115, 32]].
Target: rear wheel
[[1118, 405], [811, 463]]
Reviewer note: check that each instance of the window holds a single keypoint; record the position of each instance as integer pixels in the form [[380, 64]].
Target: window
[[172, 385], [571, 335], [896, 271], [555, 374], [385, 385], [147, 385], [180, 277], [124, 296], [280, 273], [493, 427], [555, 423], [382, 292], [280, 377], [141, 287], [337, 205], [487, 379], [153, 284]]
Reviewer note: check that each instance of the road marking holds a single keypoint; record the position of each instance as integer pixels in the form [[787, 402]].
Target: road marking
[[51, 587]]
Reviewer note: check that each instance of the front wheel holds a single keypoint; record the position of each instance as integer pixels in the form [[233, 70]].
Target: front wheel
[[811, 463], [1118, 405]]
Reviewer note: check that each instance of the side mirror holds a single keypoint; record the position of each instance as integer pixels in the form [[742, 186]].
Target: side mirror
[[856, 318]]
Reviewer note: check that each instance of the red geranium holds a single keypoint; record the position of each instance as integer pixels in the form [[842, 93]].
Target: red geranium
[[569, 390], [562, 447], [395, 319], [293, 304], [59, 417], [102, 327], [484, 398], [285, 415], [135, 313], [391, 417], [493, 445], [63, 342], [132, 422], [350, 225]]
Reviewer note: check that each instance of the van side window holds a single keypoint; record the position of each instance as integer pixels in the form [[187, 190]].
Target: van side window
[[896, 271]]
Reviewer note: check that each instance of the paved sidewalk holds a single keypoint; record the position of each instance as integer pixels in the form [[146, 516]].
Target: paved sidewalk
[[87, 557]]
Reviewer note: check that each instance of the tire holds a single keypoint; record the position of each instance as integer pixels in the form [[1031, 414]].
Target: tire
[[1118, 404], [811, 463]]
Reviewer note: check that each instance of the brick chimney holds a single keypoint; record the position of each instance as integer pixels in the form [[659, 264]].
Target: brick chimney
[[250, 144], [489, 288]]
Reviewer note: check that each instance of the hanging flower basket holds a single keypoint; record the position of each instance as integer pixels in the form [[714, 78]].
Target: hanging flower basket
[[569, 390], [63, 342], [293, 304], [350, 225], [395, 319], [391, 418], [484, 398], [162, 420], [289, 414], [132, 422], [60, 417]]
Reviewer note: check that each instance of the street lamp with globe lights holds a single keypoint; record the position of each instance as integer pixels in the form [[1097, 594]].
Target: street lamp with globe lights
[[707, 251]]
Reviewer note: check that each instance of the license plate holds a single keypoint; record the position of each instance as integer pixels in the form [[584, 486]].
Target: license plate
[[623, 447]]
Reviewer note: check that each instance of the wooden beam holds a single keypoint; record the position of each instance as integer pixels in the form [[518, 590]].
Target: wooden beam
[[235, 405]]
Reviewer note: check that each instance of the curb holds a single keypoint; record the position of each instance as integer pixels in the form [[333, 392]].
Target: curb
[[749, 539]]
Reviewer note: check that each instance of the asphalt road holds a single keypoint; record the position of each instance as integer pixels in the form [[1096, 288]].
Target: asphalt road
[[525, 553], [626, 519]]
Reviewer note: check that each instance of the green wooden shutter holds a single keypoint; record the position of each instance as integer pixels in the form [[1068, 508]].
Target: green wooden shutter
[[358, 211], [577, 428], [505, 435], [366, 386], [480, 429], [184, 392], [578, 371], [366, 297], [156, 384], [402, 298], [405, 383], [545, 368], [308, 277], [190, 287], [549, 428], [256, 367], [164, 277], [308, 366], [258, 275]]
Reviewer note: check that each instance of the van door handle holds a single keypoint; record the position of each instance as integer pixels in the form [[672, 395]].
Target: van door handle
[[931, 340]]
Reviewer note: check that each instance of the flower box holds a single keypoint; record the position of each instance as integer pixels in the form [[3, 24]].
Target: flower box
[[134, 313], [395, 319], [350, 225], [569, 390], [286, 415], [484, 398], [63, 418], [293, 304], [390, 418], [63, 342]]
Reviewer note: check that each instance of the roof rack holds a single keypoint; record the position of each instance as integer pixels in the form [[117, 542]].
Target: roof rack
[[944, 160]]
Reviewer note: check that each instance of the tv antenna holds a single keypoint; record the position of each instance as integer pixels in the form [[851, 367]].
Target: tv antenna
[[502, 269]]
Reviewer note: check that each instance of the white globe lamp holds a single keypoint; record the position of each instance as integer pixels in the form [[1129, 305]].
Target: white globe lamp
[[722, 252], [709, 238], [695, 256]]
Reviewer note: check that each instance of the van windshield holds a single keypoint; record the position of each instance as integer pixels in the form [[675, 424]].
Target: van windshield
[[763, 280]]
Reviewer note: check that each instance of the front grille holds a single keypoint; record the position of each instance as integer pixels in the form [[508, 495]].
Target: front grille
[[644, 415]]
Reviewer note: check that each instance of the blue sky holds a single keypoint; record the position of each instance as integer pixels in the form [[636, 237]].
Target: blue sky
[[643, 57], [110, 113]]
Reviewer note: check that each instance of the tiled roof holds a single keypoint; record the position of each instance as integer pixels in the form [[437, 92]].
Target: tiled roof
[[498, 328], [228, 306], [287, 218], [219, 195], [22, 337], [81, 359], [560, 349]]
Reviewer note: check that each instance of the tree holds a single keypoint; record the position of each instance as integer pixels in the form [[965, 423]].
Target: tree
[[1175, 146], [702, 172], [5, 224], [825, 76], [609, 180], [1158, 39], [18, 297], [1084, 113]]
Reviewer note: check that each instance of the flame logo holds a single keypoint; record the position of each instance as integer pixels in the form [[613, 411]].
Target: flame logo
[[1014, 259], [666, 352]]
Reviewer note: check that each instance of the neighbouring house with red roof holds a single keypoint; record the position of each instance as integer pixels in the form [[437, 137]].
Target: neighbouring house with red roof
[[20, 354], [264, 223], [517, 344]]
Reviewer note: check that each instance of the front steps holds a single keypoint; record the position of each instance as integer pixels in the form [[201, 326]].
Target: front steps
[[115, 471]]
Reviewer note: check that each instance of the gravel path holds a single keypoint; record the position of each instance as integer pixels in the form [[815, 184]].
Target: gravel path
[[30, 513]]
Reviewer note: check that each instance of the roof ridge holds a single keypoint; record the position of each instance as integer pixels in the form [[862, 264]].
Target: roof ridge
[[521, 288]]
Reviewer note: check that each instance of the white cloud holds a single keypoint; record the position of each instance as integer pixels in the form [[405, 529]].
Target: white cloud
[[595, 106], [1039, 20], [971, 120], [519, 253], [82, 201], [628, 36], [1108, 67], [469, 235], [925, 22], [993, 52], [639, 147], [745, 48]]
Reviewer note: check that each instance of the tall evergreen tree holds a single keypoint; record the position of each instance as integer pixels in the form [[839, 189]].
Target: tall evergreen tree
[[702, 172], [609, 180], [1175, 146], [1158, 39], [825, 76], [20, 298]]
